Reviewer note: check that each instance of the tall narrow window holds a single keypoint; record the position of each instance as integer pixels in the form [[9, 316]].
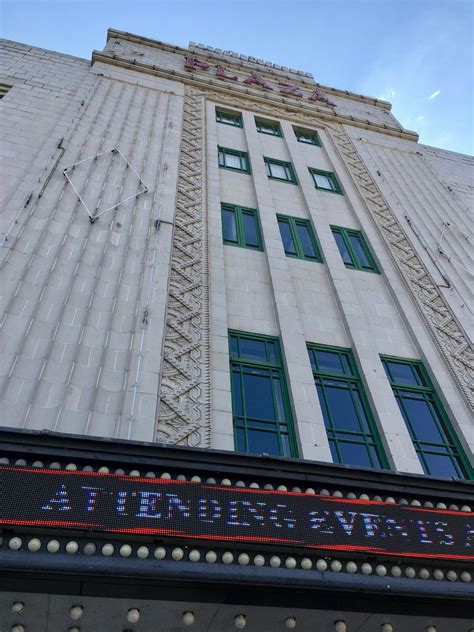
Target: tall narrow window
[[241, 227], [280, 170], [298, 238], [234, 159], [262, 416], [351, 429], [435, 442], [229, 118], [325, 180], [353, 248]]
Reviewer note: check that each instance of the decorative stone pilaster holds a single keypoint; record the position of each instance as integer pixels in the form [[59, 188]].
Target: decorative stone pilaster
[[184, 408]]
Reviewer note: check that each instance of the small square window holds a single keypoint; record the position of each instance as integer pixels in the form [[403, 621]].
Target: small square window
[[308, 136], [298, 238], [229, 118], [354, 250], [233, 159], [280, 170], [325, 180], [272, 128], [241, 227]]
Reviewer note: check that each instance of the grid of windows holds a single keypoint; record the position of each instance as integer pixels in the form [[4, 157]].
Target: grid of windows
[[241, 227], [298, 238], [308, 136], [325, 180], [354, 250], [350, 427], [261, 410], [234, 159], [229, 118], [280, 170], [268, 127], [435, 442]]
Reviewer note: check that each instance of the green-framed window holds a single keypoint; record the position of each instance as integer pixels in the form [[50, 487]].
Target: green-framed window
[[350, 426], [308, 136], [272, 128], [433, 437], [234, 159], [262, 416], [229, 118], [241, 226], [299, 239], [280, 170], [325, 180], [354, 250]]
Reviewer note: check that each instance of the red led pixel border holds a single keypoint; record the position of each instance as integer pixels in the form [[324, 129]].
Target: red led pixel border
[[94, 501]]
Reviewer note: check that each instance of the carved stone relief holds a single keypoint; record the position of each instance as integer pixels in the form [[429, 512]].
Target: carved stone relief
[[184, 410]]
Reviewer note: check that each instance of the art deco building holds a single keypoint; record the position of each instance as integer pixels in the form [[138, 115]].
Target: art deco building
[[236, 370]]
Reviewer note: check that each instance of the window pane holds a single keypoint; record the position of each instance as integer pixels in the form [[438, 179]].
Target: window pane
[[260, 441], [360, 409], [322, 181], [278, 400], [249, 222], [441, 466], [240, 440], [271, 352], [421, 415], [286, 237], [258, 396], [237, 394], [306, 137], [329, 362], [355, 454], [342, 409], [322, 401], [221, 158], [346, 257], [403, 373], [233, 161], [234, 347], [251, 349], [305, 240], [335, 456], [356, 244], [285, 445], [278, 171], [229, 225]]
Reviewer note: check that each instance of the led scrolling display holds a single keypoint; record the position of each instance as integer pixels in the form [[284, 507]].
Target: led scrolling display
[[182, 509]]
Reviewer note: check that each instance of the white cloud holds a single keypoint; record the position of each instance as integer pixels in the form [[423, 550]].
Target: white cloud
[[434, 95]]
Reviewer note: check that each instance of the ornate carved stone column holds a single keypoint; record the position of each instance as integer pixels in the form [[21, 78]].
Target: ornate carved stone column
[[184, 408]]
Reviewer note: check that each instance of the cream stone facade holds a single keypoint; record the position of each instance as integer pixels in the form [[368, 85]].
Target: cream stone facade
[[119, 328], [117, 302]]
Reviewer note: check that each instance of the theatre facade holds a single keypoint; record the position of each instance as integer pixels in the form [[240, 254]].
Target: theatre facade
[[236, 376]]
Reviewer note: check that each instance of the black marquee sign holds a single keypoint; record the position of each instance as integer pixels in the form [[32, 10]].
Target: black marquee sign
[[181, 509]]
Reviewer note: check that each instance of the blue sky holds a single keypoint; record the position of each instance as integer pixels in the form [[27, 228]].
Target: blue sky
[[417, 54]]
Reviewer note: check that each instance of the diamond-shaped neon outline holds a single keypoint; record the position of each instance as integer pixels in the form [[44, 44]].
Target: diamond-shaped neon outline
[[114, 150]]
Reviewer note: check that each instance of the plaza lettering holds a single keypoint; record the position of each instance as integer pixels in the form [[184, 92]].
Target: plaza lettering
[[287, 89]]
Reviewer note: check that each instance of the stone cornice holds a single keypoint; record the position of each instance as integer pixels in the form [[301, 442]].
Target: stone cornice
[[237, 64], [289, 106]]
